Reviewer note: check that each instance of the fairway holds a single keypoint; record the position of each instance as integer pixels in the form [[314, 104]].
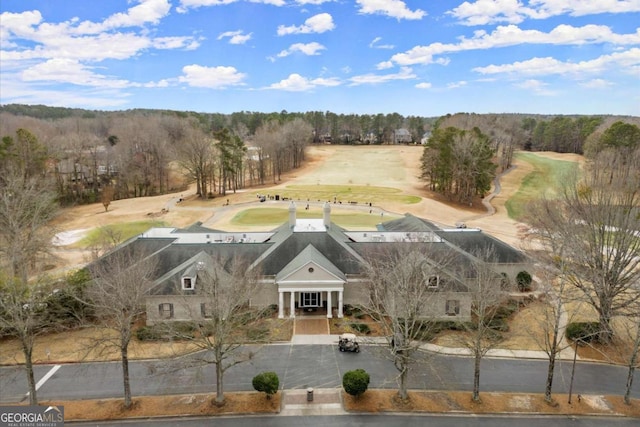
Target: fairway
[[546, 179], [274, 217], [343, 194], [385, 176]]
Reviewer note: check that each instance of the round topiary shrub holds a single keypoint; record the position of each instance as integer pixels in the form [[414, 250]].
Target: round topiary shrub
[[266, 382], [523, 280], [355, 382], [583, 331]]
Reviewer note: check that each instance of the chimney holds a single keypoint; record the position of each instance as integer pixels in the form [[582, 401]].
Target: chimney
[[326, 215], [292, 214]]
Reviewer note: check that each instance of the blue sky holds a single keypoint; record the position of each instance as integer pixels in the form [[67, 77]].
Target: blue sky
[[413, 57]]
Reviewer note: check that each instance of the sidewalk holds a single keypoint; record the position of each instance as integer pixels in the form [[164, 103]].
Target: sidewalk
[[326, 401], [566, 354]]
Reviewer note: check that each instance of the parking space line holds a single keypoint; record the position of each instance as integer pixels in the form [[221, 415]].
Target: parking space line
[[48, 375]]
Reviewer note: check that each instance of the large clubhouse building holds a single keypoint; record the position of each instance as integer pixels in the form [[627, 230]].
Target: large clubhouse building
[[309, 264]]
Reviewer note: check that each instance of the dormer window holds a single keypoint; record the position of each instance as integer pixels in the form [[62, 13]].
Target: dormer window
[[188, 283], [433, 282]]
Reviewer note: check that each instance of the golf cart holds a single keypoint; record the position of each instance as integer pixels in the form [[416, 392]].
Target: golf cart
[[348, 342]]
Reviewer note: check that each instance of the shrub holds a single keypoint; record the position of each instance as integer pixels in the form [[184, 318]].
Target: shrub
[[362, 328], [355, 382], [523, 281], [347, 309], [258, 333], [167, 332], [65, 307], [583, 331], [266, 382], [504, 311], [149, 333]]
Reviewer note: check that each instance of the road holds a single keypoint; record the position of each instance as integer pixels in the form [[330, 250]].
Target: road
[[383, 421], [302, 366]]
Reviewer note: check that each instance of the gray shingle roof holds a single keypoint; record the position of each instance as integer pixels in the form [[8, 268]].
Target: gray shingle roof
[[408, 223], [480, 244], [310, 254]]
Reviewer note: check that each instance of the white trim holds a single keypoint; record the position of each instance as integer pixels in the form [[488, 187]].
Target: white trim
[[192, 283]]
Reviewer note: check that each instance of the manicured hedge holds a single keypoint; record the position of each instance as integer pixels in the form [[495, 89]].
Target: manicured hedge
[[266, 382], [583, 331], [355, 382]]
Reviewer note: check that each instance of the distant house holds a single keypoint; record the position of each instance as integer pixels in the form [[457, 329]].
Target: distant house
[[402, 136], [312, 264]]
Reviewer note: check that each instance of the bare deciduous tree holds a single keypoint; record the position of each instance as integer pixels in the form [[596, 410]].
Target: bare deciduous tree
[[488, 290], [26, 207], [406, 284], [196, 155], [23, 315], [593, 228], [633, 350], [549, 331], [221, 301], [121, 281]]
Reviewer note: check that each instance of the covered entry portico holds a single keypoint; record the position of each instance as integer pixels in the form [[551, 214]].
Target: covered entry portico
[[310, 280], [309, 298]]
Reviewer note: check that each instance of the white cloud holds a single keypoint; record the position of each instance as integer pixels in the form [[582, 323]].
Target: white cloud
[[297, 83], [14, 90], [483, 12], [385, 65], [511, 35], [309, 49], [597, 84], [148, 11], [316, 24], [211, 77], [20, 24], [456, 85], [236, 37], [374, 44], [89, 48], [423, 85], [392, 8], [550, 66], [69, 71], [315, 2], [185, 5], [536, 86], [187, 43], [86, 40], [405, 73]]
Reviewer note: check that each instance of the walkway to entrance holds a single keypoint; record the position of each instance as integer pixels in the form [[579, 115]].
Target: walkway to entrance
[[311, 325]]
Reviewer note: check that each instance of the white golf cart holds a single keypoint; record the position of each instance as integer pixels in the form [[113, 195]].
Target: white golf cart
[[348, 342]]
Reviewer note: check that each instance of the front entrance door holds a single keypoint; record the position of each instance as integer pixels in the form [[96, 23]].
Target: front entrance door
[[309, 299]]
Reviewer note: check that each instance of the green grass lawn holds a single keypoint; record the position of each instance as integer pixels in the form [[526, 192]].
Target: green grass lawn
[[546, 179], [274, 217], [120, 232], [347, 193]]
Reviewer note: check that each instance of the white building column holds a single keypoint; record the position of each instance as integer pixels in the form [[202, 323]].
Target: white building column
[[292, 305], [340, 315], [280, 305], [329, 311]]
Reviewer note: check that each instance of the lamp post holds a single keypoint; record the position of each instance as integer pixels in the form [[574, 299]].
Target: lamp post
[[573, 370]]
